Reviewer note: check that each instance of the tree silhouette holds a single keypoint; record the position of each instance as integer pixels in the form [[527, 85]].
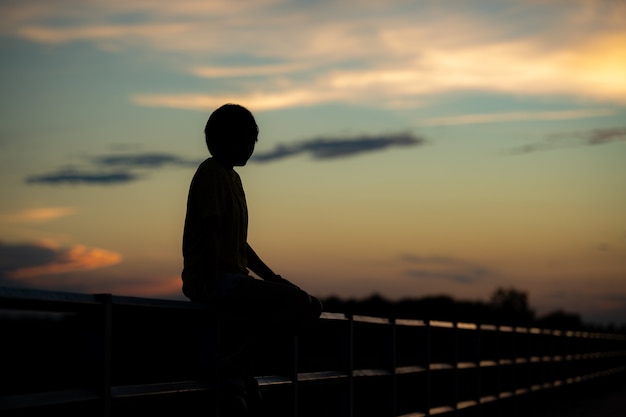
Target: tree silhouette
[[512, 306]]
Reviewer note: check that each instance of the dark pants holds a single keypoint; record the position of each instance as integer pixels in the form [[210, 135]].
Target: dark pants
[[253, 311], [271, 305]]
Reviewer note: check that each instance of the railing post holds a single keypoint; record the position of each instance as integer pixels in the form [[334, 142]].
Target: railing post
[[393, 365], [107, 317], [498, 369], [428, 367], [214, 362], [457, 376], [351, 366], [294, 373], [479, 355]]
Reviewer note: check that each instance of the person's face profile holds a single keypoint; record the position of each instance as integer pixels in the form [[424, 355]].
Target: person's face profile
[[244, 152], [242, 147]]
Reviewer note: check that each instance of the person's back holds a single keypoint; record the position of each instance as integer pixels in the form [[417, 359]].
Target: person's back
[[215, 193]]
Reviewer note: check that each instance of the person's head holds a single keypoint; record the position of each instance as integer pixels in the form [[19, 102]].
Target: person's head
[[231, 133]]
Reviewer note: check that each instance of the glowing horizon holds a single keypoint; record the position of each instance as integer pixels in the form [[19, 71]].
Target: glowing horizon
[[405, 149]]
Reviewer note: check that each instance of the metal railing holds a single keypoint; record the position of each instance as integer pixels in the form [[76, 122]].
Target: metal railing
[[110, 355]]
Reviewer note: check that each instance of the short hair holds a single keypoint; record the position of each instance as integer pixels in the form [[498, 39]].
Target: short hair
[[227, 123]]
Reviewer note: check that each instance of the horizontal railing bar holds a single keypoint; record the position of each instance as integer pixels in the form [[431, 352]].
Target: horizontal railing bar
[[410, 323], [414, 414], [74, 396], [24, 299], [437, 323], [159, 389], [47, 398], [611, 354], [605, 372], [488, 399], [369, 319], [333, 316], [403, 370], [535, 359], [79, 395], [321, 376], [158, 303], [440, 410], [467, 326], [273, 380], [467, 365], [363, 373], [440, 366], [27, 299], [466, 404]]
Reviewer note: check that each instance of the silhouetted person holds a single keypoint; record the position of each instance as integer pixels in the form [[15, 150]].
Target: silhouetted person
[[218, 258]]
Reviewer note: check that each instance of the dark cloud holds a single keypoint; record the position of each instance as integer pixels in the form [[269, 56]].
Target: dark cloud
[[462, 277], [325, 148], [143, 160], [44, 267], [18, 256], [112, 169], [603, 136], [73, 176], [446, 268], [575, 139], [439, 260], [121, 168]]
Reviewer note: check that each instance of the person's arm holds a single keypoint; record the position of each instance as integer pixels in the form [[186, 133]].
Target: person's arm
[[256, 265]]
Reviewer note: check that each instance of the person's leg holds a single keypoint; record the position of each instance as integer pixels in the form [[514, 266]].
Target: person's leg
[[251, 308], [271, 305]]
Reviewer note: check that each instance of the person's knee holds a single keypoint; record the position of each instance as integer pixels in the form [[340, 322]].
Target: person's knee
[[316, 308], [312, 309], [303, 302]]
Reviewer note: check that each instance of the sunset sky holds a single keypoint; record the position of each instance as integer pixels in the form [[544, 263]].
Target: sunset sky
[[406, 148]]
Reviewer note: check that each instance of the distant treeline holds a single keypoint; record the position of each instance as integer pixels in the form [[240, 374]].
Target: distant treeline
[[505, 307]]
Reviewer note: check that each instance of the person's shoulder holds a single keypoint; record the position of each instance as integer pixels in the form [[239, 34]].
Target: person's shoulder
[[209, 172], [209, 167], [208, 163]]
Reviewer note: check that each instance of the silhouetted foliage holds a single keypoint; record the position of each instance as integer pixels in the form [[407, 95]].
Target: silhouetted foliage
[[512, 307], [506, 306], [560, 320]]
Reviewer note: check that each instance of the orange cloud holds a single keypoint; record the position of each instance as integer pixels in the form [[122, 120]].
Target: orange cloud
[[248, 71], [40, 215], [257, 101], [400, 57], [77, 258], [166, 287], [592, 69], [517, 116], [97, 33]]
